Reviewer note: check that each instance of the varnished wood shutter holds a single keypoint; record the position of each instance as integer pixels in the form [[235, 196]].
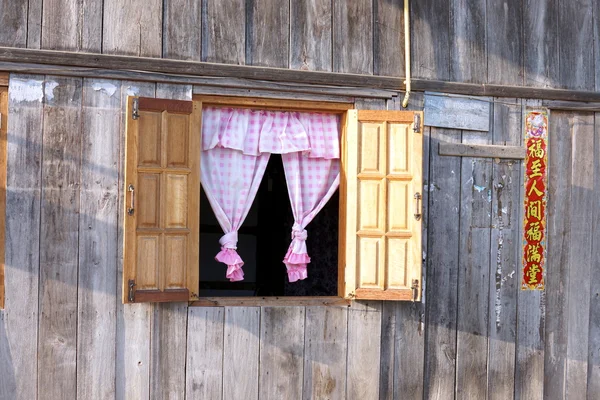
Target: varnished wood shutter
[[162, 189], [381, 220]]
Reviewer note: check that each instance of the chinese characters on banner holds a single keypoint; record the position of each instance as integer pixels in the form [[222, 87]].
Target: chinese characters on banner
[[536, 182]]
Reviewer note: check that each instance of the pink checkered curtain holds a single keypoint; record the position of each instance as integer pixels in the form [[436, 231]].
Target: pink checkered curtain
[[236, 145]]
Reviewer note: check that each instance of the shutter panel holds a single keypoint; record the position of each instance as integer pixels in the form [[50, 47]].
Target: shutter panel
[[162, 185], [383, 168]]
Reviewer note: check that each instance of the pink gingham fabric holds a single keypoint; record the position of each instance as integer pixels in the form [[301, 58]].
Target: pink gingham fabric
[[236, 145]]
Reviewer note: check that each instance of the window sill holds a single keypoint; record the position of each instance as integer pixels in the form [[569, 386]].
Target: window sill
[[270, 301]]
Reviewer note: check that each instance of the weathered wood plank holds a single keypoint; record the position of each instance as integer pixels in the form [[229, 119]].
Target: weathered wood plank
[[504, 253], [388, 38], [387, 351], [430, 21], [559, 252], [445, 111], [442, 270], [364, 344], [268, 33], [504, 32], [59, 236], [224, 31], [468, 44], [133, 320], [241, 353], [3, 160], [571, 106], [580, 262], [575, 45], [311, 35], [97, 281], [473, 272], [13, 24], [204, 367], [132, 28], [481, 150], [72, 25], [34, 24], [325, 351], [182, 30], [222, 91], [19, 320], [540, 43], [281, 353], [353, 36]]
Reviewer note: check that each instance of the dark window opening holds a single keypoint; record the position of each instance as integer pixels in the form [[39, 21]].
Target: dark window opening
[[263, 240]]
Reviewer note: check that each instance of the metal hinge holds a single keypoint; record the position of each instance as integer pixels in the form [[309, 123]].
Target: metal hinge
[[415, 289], [135, 113], [417, 123], [131, 291]]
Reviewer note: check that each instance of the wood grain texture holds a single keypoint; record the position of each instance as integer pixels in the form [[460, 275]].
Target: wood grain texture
[[388, 38], [182, 35], [59, 237], [387, 353], [97, 279], [430, 27], [325, 351], [224, 31], [540, 43], [281, 352], [72, 25], [442, 270], [576, 44], [457, 112], [13, 24], [19, 319], [364, 344], [132, 28], [311, 35], [353, 36], [3, 160], [481, 150], [241, 353], [468, 52], [504, 253], [204, 366], [504, 35], [34, 24], [268, 33]]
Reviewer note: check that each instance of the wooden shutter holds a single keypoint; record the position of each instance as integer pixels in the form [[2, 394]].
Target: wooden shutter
[[162, 190], [381, 221]]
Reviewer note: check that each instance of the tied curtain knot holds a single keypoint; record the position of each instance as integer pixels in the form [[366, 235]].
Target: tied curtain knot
[[296, 257], [229, 256]]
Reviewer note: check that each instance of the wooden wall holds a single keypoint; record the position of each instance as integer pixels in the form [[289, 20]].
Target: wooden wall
[[539, 43]]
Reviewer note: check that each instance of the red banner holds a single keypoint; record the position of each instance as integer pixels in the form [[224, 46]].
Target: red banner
[[536, 183]]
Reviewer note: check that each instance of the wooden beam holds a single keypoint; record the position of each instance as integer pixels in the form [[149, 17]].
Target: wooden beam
[[480, 150], [271, 301], [571, 106]]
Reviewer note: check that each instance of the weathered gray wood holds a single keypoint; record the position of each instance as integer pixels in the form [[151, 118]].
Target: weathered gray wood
[[97, 280], [430, 39], [468, 44], [540, 43], [364, 344], [133, 320], [387, 353], [571, 106], [204, 367], [481, 150], [445, 111], [504, 32], [311, 35], [353, 36], [34, 24], [580, 263], [409, 351], [241, 353], [281, 353], [388, 38], [224, 31], [132, 28], [13, 24], [473, 272], [442, 270], [222, 91], [182, 30], [72, 25], [59, 236], [325, 353], [559, 252], [596, 33], [575, 45], [504, 253], [19, 319], [268, 33]]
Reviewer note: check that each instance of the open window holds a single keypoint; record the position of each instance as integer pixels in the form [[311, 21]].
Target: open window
[[372, 223]]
